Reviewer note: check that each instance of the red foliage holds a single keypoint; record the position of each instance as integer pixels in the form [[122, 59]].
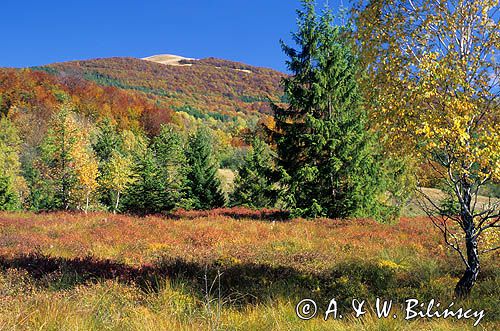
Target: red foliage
[[209, 85], [38, 93]]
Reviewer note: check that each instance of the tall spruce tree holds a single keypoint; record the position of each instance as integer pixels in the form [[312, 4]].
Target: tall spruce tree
[[205, 186], [143, 195], [255, 184], [322, 138]]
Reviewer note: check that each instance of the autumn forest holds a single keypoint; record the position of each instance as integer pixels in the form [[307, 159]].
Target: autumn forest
[[172, 193]]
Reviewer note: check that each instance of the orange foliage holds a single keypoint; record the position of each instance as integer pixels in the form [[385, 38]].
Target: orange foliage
[[209, 85], [236, 234], [35, 95]]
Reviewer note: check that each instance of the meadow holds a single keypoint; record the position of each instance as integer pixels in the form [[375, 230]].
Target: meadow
[[226, 269]]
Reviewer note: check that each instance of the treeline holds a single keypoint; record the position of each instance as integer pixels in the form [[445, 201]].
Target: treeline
[[81, 166]]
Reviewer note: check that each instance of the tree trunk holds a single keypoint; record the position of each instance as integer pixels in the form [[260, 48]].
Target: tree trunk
[[465, 284], [87, 203], [117, 202]]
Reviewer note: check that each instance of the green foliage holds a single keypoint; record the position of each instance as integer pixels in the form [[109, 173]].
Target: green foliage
[[41, 195], [204, 116], [256, 179], [206, 192], [117, 177], [57, 161], [9, 149], [160, 175], [168, 147], [106, 80], [144, 196], [9, 199], [107, 140], [251, 99], [12, 182], [107, 145], [322, 138]]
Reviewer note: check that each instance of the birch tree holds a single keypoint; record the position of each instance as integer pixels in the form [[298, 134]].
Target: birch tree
[[433, 89]]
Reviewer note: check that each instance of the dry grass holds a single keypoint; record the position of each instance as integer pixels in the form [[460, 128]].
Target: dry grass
[[167, 59], [100, 271]]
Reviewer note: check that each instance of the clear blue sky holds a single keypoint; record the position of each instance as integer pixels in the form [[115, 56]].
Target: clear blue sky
[[36, 32]]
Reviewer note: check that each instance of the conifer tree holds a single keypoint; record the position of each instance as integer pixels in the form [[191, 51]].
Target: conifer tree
[[107, 145], [168, 147], [144, 195], [69, 166], [57, 164], [107, 141], [322, 137], [9, 200], [255, 183], [205, 186]]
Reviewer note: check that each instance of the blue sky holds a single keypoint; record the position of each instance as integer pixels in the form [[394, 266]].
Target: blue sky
[[38, 32]]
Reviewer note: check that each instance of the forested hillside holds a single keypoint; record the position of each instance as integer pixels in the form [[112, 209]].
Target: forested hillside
[[222, 93], [227, 97], [33, 96]]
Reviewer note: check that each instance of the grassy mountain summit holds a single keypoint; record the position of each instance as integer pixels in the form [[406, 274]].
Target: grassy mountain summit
[[169, 59]]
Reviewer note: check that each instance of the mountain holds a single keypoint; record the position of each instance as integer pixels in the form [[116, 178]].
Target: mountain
[[222, 93]]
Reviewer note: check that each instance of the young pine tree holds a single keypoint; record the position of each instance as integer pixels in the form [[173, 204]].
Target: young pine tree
[[107, 145], [168, 147], [9, 199], [57, 166], [255, 184], [144, 195], [322, 138], [205, 186]]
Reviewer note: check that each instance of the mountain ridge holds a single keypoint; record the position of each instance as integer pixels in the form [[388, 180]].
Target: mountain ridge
[[227, 96], [203, 88]]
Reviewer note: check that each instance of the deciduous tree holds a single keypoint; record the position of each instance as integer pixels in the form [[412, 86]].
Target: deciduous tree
[[57, 164], [86, 170], [433, 84], [119, 176], [10, 167]]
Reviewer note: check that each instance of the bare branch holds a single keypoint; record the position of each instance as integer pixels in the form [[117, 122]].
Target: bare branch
[[489, 250]]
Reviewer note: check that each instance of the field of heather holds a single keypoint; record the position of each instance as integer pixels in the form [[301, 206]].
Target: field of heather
[[225, 269]]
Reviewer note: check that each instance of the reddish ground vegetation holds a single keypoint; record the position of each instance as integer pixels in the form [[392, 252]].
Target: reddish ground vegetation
[[238, 234]]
